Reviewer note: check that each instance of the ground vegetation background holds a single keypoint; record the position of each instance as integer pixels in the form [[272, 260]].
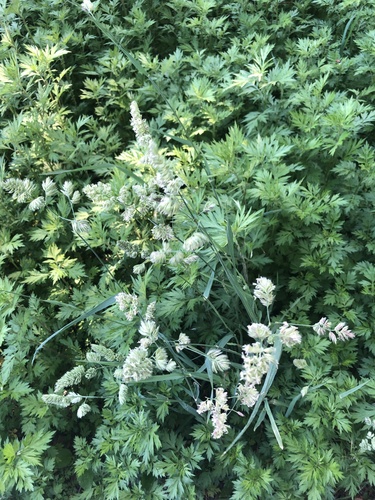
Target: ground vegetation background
[[187, 243]]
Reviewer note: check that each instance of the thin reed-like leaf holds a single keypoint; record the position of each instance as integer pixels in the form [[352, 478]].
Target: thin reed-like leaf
[[223, 342], [354, 389], [261, 417], [207, 290], [273, 425], [103, 305], [347, 33]]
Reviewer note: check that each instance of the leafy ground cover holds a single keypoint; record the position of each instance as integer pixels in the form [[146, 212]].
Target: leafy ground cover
[[187, 249]]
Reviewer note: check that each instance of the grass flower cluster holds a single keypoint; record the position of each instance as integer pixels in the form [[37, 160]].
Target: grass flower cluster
[[218, 410], [339, 332]]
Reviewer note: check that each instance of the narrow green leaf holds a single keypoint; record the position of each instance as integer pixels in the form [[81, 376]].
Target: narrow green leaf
[[292, 404], [207, 290], [208, 365], [187, 361], [190, 409], [186, 142], [223, 342], [103, 305], [230, 242], [300, 395], [354, 389], [273, 368], [102, 166], [273, 424], [262, 414], [246, 299], [347, 33], [176, 375], [204, 376]]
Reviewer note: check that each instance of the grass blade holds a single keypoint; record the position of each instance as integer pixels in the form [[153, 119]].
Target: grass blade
[[300, 395], [292, 404], [103, 305], [262, 414], [207, 290], [273, 424], [347, 33], [223, 342], [354, 389]]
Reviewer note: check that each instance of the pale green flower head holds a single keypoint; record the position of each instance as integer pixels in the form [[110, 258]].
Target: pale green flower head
[[150, 312], [128, 303], [90, 373], [22, 190], [194, 242], [191, 259], [322, 327], [219, 361], [343, 333], [162, 362], [168, 205], [122, 393], [37, 204], [80, 226], [340, 332], [259, 331], [149, 329], [140, 127], [247, 394], [264, 291], [87, 6], [218, 410], [103, 352], [72, 377], [83, 410], [158, 257], [183, 341], [67, 189], [177, 259], [205, 406], [162, 232], [160, 358], [220, 427], [93, 357], [101, 196], [49, 187], [171, 365], [137, 366], [289, 335], [56, 400], [300, 363], [139, 268], [174, 185], [63, 401]]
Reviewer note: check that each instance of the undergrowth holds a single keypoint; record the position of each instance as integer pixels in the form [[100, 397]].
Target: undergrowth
[[187, 280]]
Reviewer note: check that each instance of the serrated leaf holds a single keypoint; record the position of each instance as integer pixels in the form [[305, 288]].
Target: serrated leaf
[[9, 453]]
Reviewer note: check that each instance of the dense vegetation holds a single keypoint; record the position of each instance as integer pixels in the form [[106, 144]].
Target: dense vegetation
[[187, 244]]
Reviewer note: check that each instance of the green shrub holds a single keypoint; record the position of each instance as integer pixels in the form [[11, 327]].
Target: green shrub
[[159, 160]]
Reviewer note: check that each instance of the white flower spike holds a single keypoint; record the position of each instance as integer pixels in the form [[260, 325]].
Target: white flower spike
[[263, 291], [87, 6]]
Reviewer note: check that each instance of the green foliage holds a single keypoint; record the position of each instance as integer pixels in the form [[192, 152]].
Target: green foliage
[[256, 158], [19, 460]]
